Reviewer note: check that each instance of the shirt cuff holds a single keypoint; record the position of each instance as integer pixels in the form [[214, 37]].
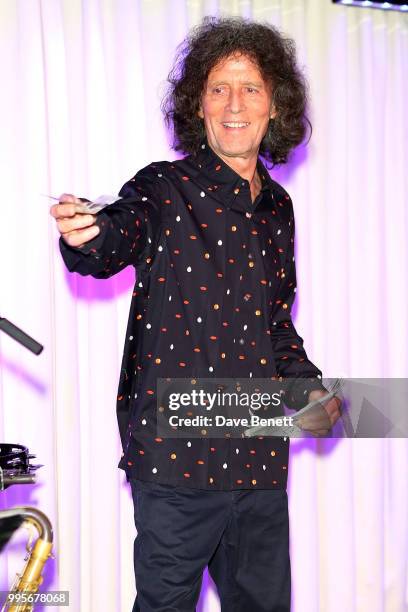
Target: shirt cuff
[[297, 391]]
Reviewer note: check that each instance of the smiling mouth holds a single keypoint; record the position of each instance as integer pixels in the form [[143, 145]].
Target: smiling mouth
[[234, 125]]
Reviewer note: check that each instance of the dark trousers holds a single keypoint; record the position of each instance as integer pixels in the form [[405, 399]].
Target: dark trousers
[[242, 535]]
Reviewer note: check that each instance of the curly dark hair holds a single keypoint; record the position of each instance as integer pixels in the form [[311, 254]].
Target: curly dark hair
[[217, 38]]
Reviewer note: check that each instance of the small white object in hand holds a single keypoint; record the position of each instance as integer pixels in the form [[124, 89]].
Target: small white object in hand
[[100, 202], [94, 206]]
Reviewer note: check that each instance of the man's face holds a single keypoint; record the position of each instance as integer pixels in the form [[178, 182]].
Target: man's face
[[236, 106]]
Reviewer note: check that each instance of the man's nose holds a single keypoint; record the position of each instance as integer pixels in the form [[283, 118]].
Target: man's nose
[[235, 101]]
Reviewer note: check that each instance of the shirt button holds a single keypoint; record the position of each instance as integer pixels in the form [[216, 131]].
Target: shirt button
[[241, 341]]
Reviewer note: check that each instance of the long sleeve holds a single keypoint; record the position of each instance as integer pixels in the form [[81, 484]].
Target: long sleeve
[[291, 358], [129, 229]]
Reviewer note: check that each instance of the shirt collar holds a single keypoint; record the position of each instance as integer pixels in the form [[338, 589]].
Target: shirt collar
[[227, 186]]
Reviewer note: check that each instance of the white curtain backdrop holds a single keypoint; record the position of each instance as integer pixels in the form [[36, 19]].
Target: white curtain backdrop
[[79, 109]]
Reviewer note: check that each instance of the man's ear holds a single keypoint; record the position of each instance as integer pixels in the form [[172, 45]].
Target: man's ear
[[200, 112], [272, 113]]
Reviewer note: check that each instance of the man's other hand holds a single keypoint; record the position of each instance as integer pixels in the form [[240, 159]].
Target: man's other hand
[[76, 228], [323, 416]]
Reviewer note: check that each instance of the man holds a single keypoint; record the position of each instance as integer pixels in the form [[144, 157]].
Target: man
[[212, 239]]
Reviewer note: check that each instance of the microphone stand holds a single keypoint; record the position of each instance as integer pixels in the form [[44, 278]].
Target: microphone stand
[[19, 336]]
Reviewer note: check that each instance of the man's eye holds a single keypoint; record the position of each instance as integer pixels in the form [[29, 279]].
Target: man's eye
[[218, 90], [252, 90]]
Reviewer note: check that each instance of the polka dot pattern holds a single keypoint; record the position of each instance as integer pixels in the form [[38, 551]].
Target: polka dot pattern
[[215, 285]]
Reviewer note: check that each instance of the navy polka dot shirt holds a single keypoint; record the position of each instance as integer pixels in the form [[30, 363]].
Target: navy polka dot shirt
[[215, 283]]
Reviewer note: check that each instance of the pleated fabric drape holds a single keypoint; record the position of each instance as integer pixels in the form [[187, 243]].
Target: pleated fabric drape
[[81, 87]]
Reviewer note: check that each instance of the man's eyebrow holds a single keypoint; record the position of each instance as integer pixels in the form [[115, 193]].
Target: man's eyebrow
[[254, 83]]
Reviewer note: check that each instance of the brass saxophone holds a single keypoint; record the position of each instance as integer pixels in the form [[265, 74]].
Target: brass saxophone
[[31, 577]]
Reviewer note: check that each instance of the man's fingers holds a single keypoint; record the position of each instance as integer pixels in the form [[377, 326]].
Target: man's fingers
[[74, 224], [69, 197], [78, 238], [69, 205], [66, 225], [64, 211], [333, 409], [325, 414]]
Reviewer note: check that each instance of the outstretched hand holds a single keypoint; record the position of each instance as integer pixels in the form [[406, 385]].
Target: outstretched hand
[[75, 227]]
